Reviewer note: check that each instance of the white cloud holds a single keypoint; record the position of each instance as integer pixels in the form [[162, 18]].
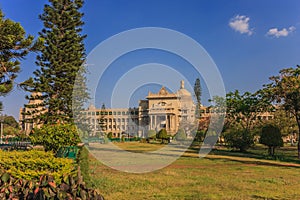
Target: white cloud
[[281, 33], [240, 23]]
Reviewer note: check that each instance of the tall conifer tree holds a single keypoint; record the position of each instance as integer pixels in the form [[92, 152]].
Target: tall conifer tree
[[198, 93], [61, 59], [14, 46]]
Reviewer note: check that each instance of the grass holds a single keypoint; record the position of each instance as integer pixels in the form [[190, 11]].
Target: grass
[[221, 175]]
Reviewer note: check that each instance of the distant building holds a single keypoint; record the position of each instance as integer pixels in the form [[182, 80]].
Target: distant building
[[159, 110], [28, 113], [114, 120]]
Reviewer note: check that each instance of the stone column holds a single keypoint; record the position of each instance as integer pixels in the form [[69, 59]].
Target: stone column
[[167, 123], [155, 120]]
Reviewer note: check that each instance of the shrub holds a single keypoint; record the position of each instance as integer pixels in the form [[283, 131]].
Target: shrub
[[52, 137], [180, 135], [32, 164], [46, 188], [271, 137], [109, 135], [151, 134], [163, 135], [123, 138], [239, 139]]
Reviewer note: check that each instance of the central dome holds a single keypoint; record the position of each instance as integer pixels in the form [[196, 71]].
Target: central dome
[[182, 92]]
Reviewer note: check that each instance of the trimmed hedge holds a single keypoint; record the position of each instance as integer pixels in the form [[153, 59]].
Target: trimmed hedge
[[32, 164]]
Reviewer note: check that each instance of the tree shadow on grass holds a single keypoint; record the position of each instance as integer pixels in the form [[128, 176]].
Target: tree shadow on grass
[[257, 162]]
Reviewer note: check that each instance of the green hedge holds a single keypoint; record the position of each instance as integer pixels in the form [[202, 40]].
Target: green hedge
[[34, 163], [54, 136]]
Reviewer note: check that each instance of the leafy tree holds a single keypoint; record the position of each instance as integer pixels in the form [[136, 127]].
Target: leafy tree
[[61, 63], [10, 121], [8, 130], [163, 135], [241, 116], [239, 139], [284, 89], [14, 46], [180, 135], [52, 137], [284, 120], [244, 109], [271, 137], [10, 125], [198, 92]]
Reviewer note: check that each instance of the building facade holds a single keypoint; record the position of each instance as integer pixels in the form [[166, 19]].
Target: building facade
[[27, 116], [159, 110]]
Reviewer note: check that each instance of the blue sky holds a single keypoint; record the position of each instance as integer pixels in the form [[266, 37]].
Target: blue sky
[[249, 40]]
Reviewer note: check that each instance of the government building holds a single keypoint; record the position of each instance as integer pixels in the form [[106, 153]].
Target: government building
[[159, 110]]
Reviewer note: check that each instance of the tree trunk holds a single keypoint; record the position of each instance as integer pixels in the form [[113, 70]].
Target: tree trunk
[[270, 151], [298, 136]]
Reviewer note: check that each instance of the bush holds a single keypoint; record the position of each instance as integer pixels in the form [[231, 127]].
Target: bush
[[109, 135], [180, 135], [123, 138], [239, 139], [52, 137], [46, 188], [271, 137], [151, 134], [32, 164], [163, 135]]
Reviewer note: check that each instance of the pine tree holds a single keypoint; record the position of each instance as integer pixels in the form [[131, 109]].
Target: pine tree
[[14, 46], [198, 92], [61, 63]]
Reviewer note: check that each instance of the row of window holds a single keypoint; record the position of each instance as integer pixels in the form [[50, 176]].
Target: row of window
[[112, 120], [117, 127], [111, 113]]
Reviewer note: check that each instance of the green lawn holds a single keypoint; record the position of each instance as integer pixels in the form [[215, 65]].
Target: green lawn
[[221, 175]]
